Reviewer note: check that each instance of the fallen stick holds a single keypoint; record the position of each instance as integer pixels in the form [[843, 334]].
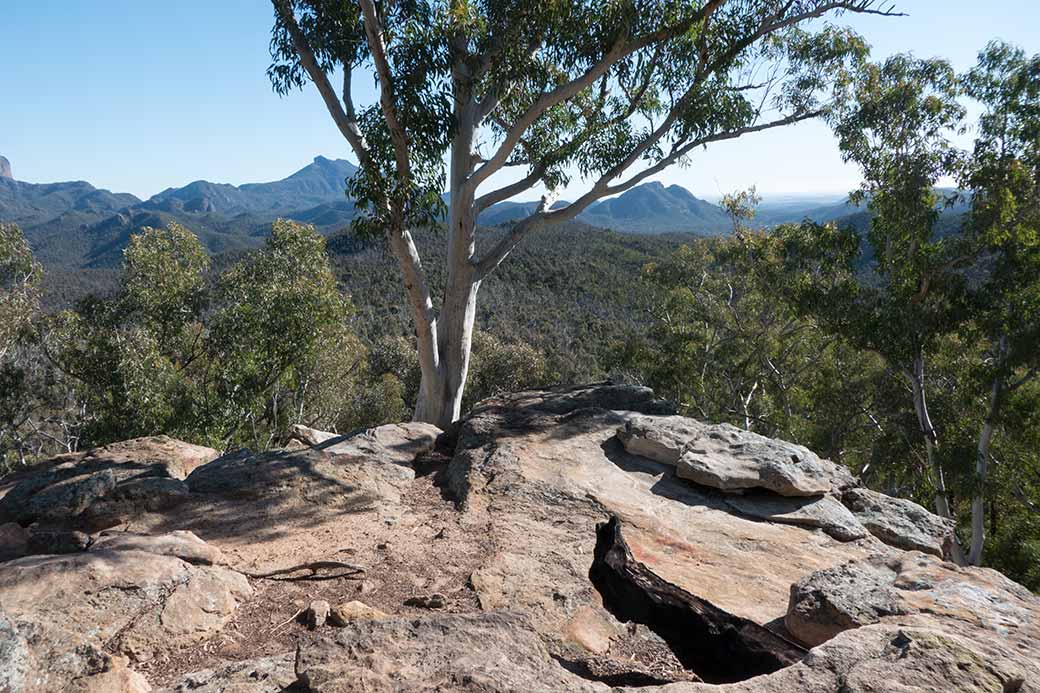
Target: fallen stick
[[314, 567]]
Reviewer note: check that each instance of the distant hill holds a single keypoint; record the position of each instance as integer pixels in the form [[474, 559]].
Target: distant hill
[[75, 225], [322, 181], [650, 208]]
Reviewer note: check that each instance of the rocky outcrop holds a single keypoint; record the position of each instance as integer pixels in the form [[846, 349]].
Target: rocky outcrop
[[77, 612], [397, 444], [103, 487], [475, 569], [900, 522], [729, 458], [498, 651], [5, 168]]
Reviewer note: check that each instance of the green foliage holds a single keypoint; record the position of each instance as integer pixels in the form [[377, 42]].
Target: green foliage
[[19, 285]]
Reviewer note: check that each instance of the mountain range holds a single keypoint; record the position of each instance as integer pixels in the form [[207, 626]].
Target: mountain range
[[75, 225]]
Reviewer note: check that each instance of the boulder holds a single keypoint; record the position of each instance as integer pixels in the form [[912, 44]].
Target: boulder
[[496, 651], [850, 595], [78, 611], [313, 476], [59, 501], [14, 541], [130, 499], [104, 486], [180, 544], [899, 522], [398, 444], [822, 512], [660, 438], [912, 588], [54, 541], [732, 459]]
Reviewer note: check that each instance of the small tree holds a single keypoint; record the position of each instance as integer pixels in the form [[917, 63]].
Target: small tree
[[614, 91], [280, 320]]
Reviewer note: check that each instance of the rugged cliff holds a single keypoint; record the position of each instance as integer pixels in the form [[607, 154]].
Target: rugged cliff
[[577, 540]]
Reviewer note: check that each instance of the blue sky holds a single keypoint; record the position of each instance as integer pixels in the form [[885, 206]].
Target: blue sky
[[137, 96]]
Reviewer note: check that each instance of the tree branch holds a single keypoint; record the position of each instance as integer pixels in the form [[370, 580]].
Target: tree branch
[[345, 120], [377, 45]]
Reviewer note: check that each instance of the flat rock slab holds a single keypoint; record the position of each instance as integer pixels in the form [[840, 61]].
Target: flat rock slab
[[899, 522], [335, 481], [75, 610], [264, 675], [180, 544], [493, 651], [821, 512], [732, 459], [397, 444]]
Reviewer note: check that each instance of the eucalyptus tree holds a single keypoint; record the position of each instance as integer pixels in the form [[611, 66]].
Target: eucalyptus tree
[[606, 92], [1003, 174], [897, 125]]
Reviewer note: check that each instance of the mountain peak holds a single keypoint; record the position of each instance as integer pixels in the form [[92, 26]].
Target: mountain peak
[[5, 168]]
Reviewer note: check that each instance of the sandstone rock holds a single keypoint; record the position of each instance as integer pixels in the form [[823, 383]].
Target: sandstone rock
[[397, 444], [912, 588], [830, 601], [60, 490], [316, 614], [823, 512], [15, 659], [342, 614], [160, 456], [884, 659], [264, 675], [55, 541], [180, 544], [136, 496], [496, 651], [73, 610], [731, 459], [660, 438], [14, 541], [336, 481], [56, 502], [899, 522]]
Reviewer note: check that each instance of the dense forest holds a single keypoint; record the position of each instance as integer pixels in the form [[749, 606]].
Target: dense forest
[[902, 341]]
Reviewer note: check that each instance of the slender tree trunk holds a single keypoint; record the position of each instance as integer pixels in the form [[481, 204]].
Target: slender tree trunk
[[924, 420], [978, 501], [443, 387]]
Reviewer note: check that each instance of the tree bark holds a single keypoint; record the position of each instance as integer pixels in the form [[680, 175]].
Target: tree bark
[[978, 501], [924, 420]]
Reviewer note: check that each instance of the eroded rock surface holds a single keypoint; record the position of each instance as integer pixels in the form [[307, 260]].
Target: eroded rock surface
[[899, 522], [398, 444], [75, 612], [728, 458], [497, 651]]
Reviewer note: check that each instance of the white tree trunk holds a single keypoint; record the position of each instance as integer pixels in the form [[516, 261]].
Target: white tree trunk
[[443, 386], [978, 501], [924, 420]]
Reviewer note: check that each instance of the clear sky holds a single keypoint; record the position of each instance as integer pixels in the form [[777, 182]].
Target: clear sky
[[140, 95]]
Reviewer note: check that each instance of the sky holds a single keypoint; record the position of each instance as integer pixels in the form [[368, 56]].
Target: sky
[[139, 96]]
